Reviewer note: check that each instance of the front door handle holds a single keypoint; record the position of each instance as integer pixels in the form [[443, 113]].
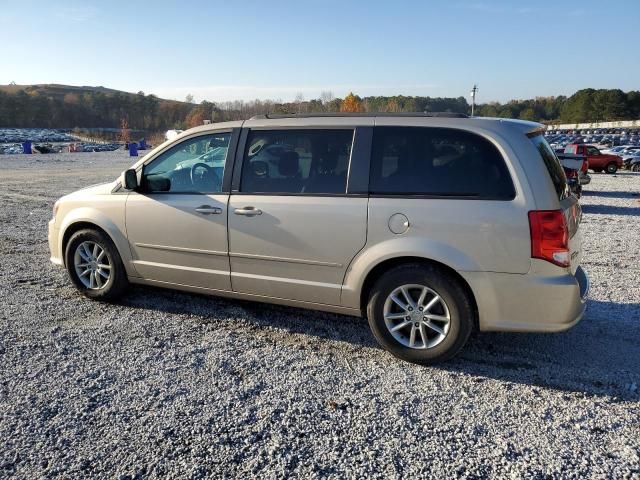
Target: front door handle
[[248, 211], [208, 210]]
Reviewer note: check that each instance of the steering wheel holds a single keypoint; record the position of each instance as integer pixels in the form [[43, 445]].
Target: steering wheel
[[195, 179]]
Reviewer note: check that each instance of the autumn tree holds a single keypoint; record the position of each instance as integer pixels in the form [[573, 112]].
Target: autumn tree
[[393, 106], [351, 103], [125, 133], [195, 118]]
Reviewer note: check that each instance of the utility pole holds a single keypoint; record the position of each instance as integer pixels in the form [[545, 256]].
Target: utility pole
[[474, 90]]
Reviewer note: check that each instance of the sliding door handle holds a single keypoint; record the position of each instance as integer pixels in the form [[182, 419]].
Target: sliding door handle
[[248, 211]]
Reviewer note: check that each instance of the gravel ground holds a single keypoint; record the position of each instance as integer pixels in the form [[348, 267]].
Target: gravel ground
[[180, 385]]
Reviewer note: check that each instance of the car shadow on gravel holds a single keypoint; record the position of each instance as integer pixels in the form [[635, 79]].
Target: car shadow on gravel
[[610, 210], [592, 358], [599, 356], [610, 194]]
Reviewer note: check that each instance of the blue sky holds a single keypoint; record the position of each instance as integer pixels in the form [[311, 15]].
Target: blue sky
[[276, 49]]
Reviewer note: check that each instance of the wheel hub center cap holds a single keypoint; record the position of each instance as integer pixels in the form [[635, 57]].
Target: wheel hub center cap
[[416, 316]]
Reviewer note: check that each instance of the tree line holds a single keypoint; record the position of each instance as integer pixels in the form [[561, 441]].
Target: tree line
[[89, 109], [587, 105], [108, 108]]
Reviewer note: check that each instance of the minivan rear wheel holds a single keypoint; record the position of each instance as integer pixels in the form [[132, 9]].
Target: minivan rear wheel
[[420, 313], [94, 265]]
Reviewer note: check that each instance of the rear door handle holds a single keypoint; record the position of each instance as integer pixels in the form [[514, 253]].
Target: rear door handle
[[248, 211], [208, 210]]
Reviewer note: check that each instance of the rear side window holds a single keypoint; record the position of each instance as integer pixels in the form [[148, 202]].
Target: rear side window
[[593, 151], [554, 167], [437, 162], [296, 161]]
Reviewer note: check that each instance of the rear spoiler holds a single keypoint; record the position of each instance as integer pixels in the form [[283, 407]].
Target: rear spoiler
[[536, 131]]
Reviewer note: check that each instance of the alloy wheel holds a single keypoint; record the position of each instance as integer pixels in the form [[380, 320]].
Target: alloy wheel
[[92, 265], [416, 316]]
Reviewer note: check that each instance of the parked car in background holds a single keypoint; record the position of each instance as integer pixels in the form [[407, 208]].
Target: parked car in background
[[575, 168], [430, 225], [615, 150], [630, 158], [597, 160], [172, 134]]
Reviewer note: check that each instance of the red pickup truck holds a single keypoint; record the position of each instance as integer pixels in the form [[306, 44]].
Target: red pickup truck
[[597, 161]]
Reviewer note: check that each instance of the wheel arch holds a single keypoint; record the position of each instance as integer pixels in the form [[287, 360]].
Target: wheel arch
[[95, 220], [384, 266], [76, 227]]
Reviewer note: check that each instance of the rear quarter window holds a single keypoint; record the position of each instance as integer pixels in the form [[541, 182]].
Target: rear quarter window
[[439, 162]]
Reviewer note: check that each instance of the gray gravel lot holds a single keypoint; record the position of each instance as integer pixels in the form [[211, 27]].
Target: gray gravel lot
[[173, 384]]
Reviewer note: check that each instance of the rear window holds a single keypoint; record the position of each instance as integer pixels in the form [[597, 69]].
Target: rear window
[[571, 149], [437, 162], [554, 167]]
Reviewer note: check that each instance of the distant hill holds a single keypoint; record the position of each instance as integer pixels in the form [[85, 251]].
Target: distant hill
[[69, 106], [54, 90]]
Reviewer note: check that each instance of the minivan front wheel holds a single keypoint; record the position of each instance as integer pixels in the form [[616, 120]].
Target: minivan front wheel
[[94, 265], [420, 314]]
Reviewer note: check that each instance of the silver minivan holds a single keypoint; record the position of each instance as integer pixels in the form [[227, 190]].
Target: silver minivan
[[430, 225]]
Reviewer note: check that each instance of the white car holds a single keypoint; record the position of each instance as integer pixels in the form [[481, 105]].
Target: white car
[[619, 150], [171, 134]]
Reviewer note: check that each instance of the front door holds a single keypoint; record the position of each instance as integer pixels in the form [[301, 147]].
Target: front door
[[177, 222], [293, 230]]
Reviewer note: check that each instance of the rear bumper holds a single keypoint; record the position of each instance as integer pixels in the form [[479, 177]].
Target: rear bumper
[[585, 179], [583, 282], [531, 302]]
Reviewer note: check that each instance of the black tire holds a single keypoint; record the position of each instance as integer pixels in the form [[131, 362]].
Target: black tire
[[117, 281], [612, 168], [459, 304]]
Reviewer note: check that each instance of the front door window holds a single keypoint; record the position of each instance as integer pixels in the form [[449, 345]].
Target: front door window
[[195, 165]]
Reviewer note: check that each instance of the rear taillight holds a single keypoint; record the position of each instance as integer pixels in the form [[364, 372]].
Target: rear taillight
[[585, 166], [549, 237]]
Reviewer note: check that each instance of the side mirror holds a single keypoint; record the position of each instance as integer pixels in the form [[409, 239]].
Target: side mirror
[[131, 179]]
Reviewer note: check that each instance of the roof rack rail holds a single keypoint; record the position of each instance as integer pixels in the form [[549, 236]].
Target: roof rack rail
[[368, 114]]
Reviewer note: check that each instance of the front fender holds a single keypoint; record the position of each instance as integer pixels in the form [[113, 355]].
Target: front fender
[[112, 225], [370, 257]]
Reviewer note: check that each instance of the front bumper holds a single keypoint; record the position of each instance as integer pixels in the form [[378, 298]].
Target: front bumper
[[54, 248], [530, 302]]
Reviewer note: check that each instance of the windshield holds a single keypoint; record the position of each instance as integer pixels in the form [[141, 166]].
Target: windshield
[[554, 167]]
